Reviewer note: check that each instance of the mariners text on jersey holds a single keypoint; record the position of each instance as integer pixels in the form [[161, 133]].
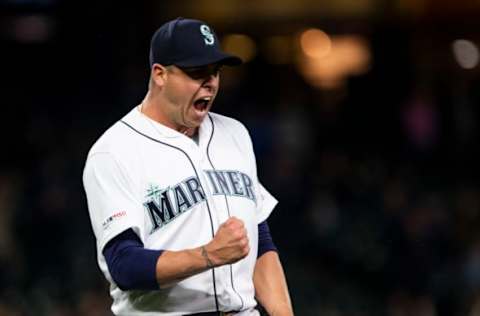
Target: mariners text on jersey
[[164, 205]]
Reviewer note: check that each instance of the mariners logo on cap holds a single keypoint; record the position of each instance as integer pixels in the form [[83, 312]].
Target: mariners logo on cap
[[207, 34]]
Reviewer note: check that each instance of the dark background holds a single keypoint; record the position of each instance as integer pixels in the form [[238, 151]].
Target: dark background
[[377, 178]]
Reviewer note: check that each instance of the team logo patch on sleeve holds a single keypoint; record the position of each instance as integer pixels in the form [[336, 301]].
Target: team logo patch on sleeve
[[113, 217]]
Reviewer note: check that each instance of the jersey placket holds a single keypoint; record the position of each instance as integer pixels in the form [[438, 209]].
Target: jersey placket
[[197, 152], [228, 296]]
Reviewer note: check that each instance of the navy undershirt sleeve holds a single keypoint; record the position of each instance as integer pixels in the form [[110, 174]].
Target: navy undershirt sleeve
[[265, 242], [131, 266]]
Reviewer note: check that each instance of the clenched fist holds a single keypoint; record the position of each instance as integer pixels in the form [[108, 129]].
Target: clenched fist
[[230, 243]]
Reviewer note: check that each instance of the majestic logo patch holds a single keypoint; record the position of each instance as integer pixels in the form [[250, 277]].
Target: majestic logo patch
[[207, 34]]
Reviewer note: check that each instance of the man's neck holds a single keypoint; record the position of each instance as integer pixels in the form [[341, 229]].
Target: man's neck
[[189, 131], [147, 108]]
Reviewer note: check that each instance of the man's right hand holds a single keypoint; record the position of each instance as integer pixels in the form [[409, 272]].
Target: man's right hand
[[230, 243]]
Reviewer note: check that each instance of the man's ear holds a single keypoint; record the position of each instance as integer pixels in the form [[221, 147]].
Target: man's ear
[[159, 74]]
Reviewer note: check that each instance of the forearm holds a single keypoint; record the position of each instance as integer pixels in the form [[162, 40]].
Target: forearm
[[133, 267], [174, 266], [270, 285]]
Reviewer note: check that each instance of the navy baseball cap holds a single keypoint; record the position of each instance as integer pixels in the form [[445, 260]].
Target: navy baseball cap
[[188, 43]]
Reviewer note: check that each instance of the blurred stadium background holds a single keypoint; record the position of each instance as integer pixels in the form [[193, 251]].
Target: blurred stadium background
[[364, 115]]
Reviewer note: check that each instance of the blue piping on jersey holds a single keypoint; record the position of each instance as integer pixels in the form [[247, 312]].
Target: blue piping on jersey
[[226, 202]]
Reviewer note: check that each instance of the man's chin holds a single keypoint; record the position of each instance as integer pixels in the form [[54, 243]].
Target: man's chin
[[196, 121]]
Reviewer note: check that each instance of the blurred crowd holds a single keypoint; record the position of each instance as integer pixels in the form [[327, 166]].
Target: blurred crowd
[[378, 183]]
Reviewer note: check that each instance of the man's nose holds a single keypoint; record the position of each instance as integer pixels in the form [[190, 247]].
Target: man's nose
[[210, 81]]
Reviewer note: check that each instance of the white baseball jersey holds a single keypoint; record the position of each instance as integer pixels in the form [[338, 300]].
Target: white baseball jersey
[[174, 193]]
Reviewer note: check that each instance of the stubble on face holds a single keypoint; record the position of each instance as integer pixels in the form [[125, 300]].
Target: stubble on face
[[189, 100]]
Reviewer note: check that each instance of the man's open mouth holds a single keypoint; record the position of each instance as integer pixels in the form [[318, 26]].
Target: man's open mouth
[[201, 104]]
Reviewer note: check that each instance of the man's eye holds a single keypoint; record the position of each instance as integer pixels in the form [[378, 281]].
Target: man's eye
[[197, 74], [204, 72]]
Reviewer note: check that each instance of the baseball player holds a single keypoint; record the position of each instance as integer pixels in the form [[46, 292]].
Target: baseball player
[[178, 212]]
